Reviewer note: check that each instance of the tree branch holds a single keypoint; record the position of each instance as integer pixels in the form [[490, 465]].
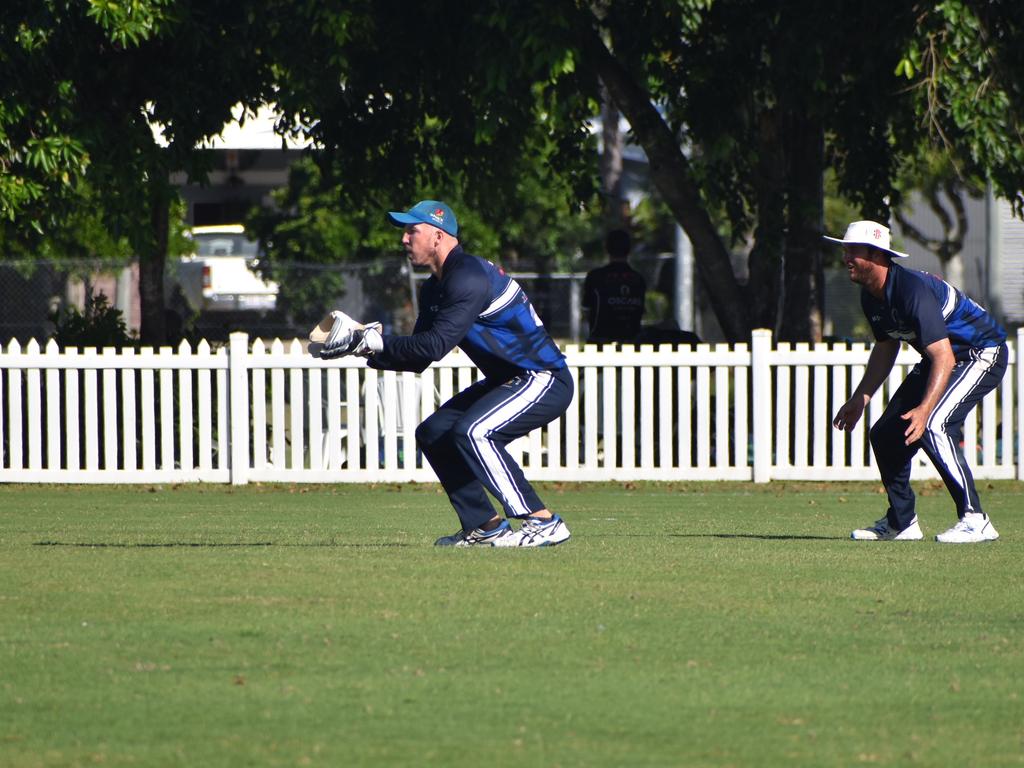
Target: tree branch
[[672, 175]]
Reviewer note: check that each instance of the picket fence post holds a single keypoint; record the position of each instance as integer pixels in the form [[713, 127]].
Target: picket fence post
[[1019, 437], [761, 393], [238, 397]]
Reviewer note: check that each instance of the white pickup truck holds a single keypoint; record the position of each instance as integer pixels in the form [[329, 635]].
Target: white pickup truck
[[219, 275]]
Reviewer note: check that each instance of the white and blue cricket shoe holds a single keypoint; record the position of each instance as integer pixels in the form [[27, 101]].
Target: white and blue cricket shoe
[[882, 531], [537, 532], [477, 537], [975, 527]]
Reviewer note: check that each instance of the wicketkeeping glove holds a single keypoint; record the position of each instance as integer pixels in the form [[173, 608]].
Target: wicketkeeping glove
[[360, 340], [333, 327]]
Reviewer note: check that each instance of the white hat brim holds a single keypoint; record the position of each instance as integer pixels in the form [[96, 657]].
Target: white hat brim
[[897, 254]]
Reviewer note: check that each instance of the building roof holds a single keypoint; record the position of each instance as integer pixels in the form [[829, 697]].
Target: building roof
[[246, 132]]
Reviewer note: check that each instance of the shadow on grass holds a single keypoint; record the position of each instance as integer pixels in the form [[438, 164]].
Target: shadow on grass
[[204, 544], [760, 536]]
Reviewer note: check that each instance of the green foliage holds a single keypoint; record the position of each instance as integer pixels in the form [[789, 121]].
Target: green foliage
[[83, 233], [491, 88], [839, 212], [309, 233], [100, 325], [317, 224], [129, 22], [486, 104], [653, 227], [657, 308], [967, 70], [82, 90], [929, 166], [45, 147], [753, 74], [684, 624]]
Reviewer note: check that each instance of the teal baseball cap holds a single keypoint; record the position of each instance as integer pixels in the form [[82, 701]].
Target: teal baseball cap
[[432, 212]]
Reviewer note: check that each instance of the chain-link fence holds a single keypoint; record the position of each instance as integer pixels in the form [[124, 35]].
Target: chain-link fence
[[32, 295], [285, 302], [198, 304], [33, 292]]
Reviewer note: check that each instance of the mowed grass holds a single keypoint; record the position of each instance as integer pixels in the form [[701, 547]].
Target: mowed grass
[[683, 625]]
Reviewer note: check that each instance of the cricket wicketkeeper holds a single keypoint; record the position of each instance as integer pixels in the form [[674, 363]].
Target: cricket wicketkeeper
[[469, 303]]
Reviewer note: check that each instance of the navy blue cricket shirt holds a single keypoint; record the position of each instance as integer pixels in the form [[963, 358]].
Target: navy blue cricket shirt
[[920, 308], [477, 307]]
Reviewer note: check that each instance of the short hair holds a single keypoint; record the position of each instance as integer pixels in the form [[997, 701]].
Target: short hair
[[617, 243]]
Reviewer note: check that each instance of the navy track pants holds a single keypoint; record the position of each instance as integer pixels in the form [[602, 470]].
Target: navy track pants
[[969, 382], [465, 441]]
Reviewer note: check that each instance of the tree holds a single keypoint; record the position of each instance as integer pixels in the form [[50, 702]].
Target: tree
[[458, 98], [611, 164], [966, 69], [758, 99], [309, 233], [83, 87], [755, 99], [444, 99], [317, 225], [740, 105], [943, 188], [442, 105]]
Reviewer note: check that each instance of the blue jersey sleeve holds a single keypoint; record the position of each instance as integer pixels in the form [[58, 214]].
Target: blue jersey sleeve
[[449, 308], [473, 305], [922, 308]]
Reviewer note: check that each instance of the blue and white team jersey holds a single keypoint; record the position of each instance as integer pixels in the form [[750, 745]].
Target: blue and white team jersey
[[920, 308], [477, 307]]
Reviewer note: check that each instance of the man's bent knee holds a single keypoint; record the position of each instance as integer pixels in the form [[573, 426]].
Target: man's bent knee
[[430, 431], [880, 434]]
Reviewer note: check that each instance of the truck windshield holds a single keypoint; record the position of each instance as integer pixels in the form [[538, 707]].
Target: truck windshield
[[225, 245]]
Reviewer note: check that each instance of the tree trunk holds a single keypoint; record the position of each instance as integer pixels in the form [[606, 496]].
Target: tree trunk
[[765, 290], [611, 164], [152, 260], [953, 270], [951, 214], [803, 308], [671, 174]]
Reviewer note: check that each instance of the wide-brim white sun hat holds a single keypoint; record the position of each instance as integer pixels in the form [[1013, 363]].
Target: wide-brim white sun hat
[[868, 233]]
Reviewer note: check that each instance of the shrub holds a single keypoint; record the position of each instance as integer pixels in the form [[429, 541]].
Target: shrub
[[100, 325]]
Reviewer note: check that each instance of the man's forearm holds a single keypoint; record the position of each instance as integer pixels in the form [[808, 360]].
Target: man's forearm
[[880, 363], [941, 359]]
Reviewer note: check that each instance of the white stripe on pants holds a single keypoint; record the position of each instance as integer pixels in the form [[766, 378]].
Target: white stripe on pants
[[492, 455]]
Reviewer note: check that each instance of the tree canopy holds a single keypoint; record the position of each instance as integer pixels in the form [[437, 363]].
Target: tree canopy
[[740, 105], [84, 84]]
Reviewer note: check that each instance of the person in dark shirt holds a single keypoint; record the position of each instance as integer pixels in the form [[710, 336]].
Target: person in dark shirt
[[613, 295], [964, 357], [470, 303]]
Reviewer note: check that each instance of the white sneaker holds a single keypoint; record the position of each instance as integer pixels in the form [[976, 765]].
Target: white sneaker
[[477, 537], [973, 528], [537, 533], [882, 531]]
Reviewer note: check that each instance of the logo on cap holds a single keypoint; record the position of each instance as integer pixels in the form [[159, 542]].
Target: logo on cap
[[878, 234], [438, 215]]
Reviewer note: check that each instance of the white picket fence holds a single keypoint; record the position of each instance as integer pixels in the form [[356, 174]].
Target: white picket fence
[[247, 413]]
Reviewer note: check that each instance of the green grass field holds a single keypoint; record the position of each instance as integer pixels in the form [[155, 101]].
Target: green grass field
[[683, 625]]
